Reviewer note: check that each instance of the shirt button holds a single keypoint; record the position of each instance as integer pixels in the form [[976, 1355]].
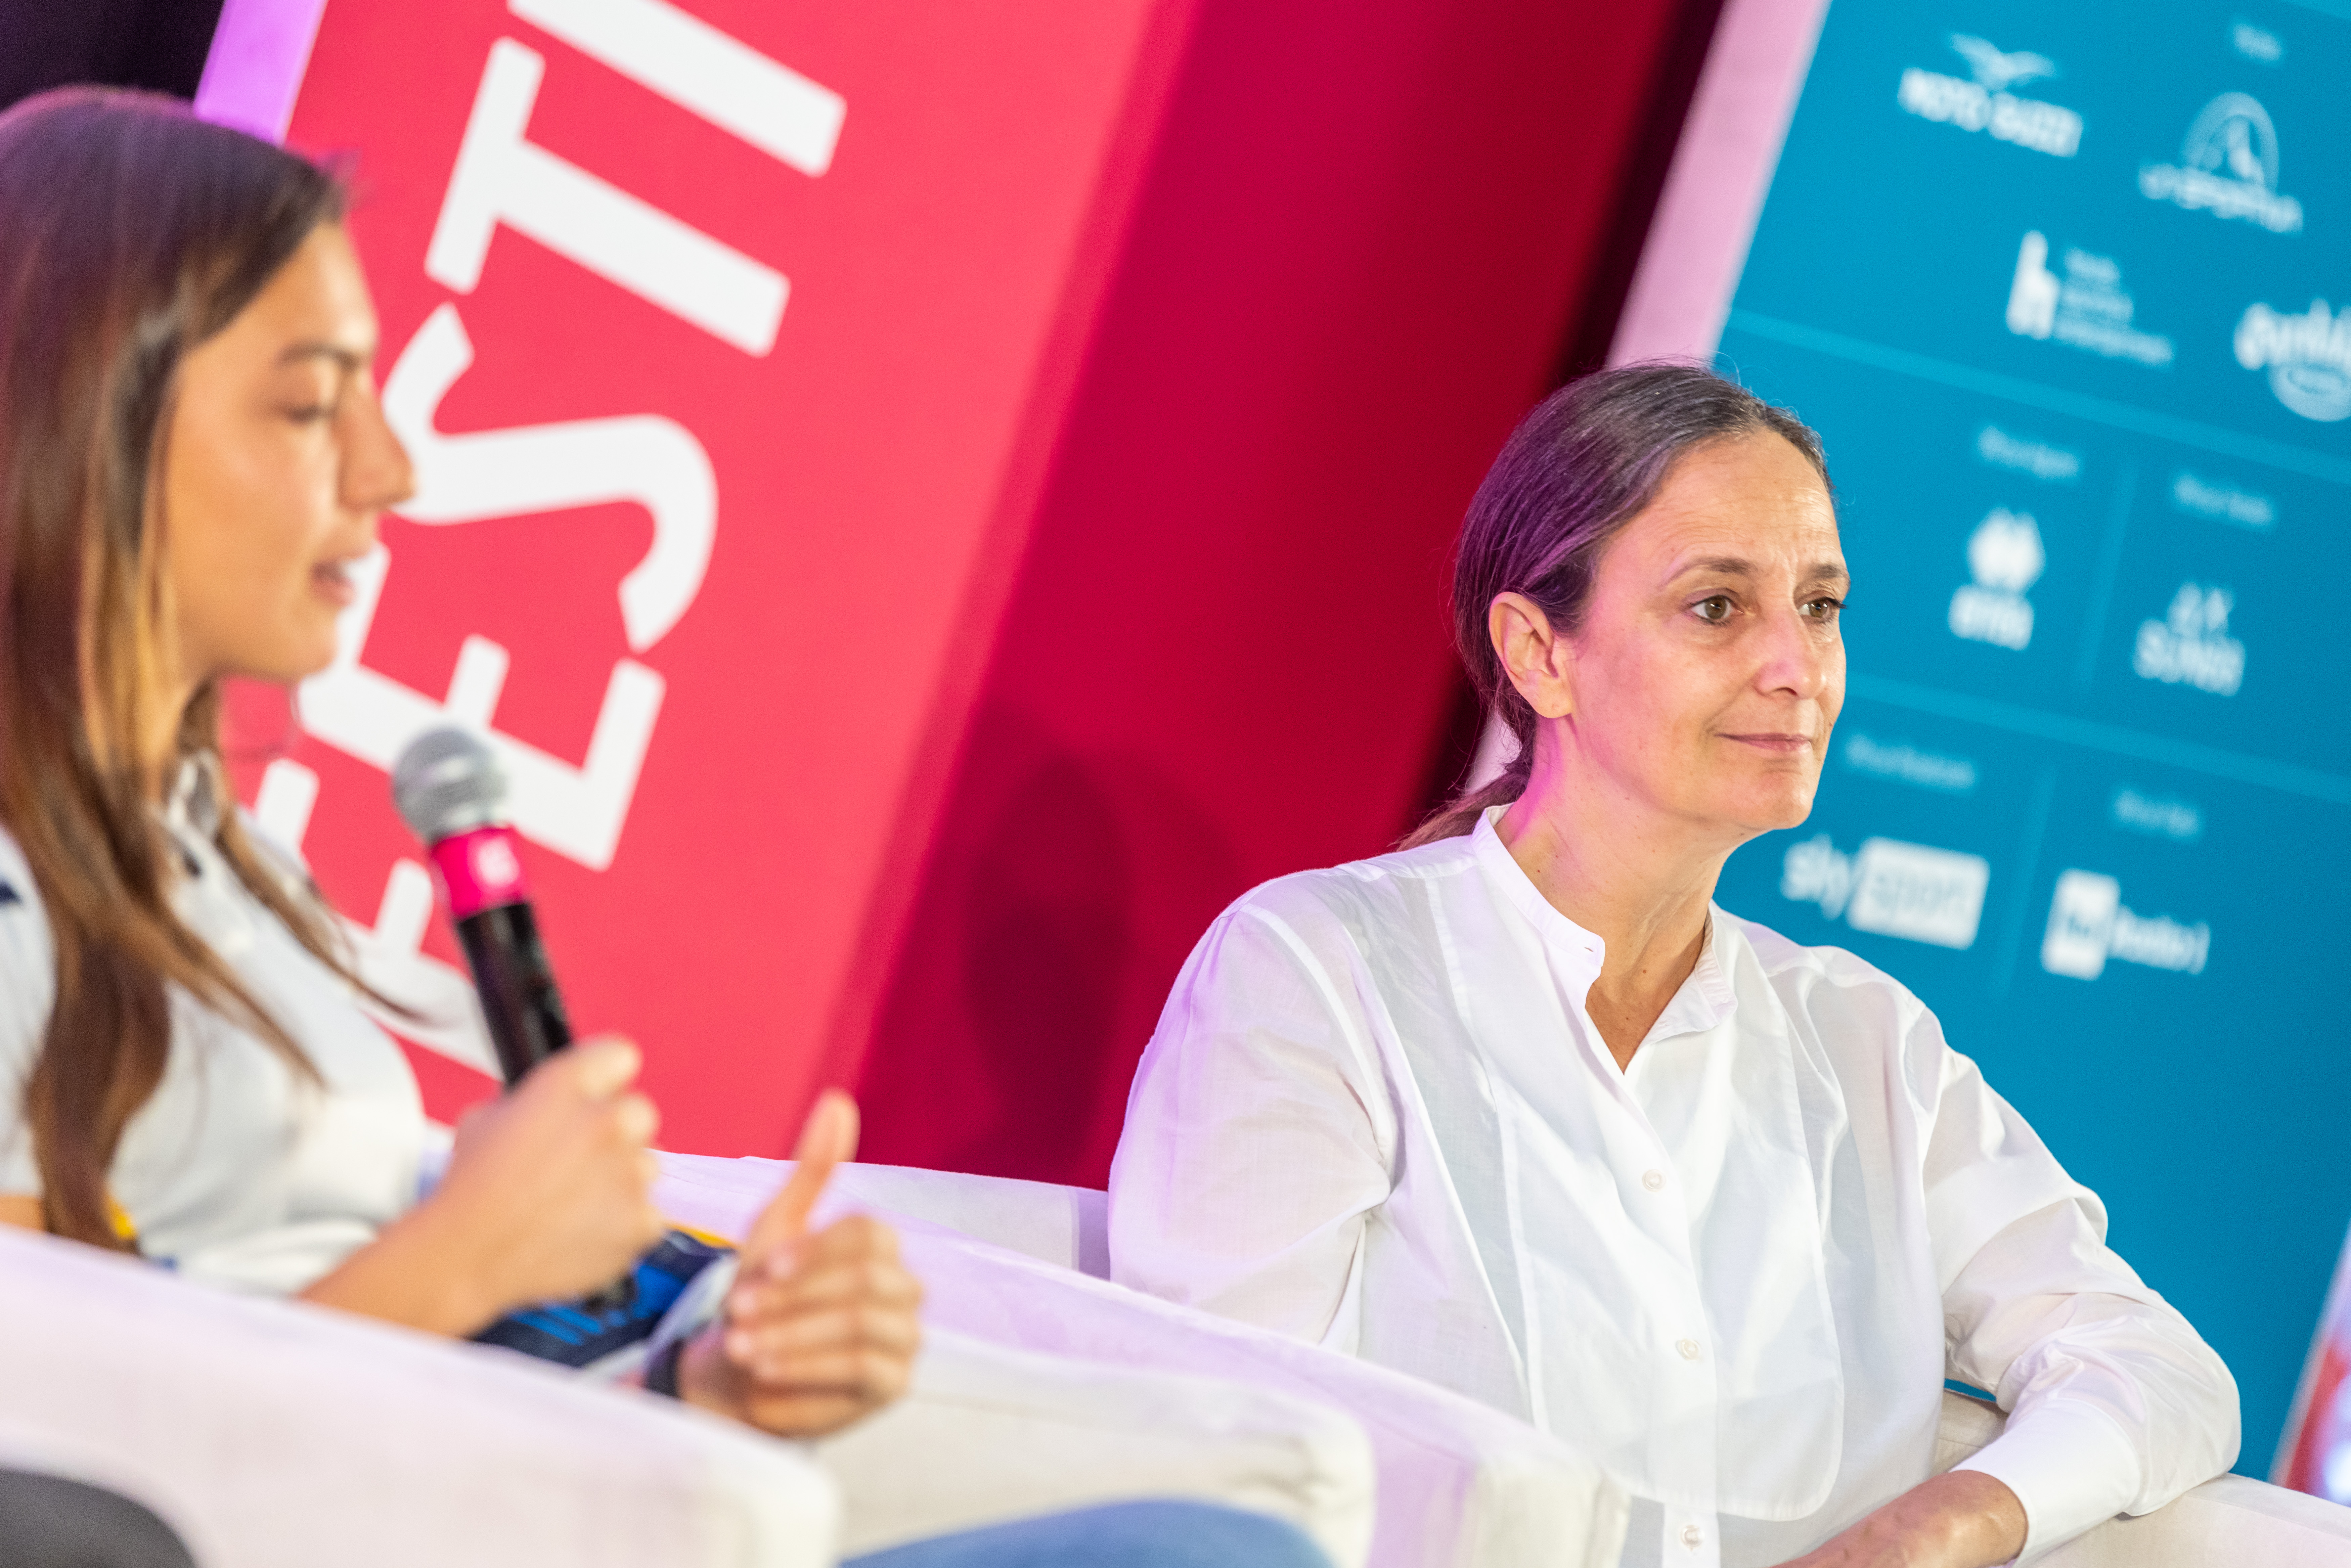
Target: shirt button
[[1653, 1180], [1692, 1536], [1689, 1347]]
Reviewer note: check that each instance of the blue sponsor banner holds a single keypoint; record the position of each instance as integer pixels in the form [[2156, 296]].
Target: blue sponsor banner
[[2067, 290]]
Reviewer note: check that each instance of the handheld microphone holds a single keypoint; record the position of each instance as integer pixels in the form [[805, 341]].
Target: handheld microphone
[[450, 790]]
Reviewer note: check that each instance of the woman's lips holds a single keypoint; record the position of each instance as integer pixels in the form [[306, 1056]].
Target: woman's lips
[[1783, 743], [333, 582]]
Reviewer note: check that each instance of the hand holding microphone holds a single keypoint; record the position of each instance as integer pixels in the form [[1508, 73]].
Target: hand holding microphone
[[450, 791], [548, 1191], [817, 1330]]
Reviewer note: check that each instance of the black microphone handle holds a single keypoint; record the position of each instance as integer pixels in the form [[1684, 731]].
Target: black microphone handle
[[519, 1000], [525, 1012]]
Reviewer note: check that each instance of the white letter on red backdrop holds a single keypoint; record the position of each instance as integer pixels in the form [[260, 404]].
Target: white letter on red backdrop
[[501, 177], [701, 69], [576, 811]]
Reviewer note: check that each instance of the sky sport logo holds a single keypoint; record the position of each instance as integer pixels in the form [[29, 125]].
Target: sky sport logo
[[2089, 926], [2228, 166], [2308, 357], [1912, 891], [1986, 104]]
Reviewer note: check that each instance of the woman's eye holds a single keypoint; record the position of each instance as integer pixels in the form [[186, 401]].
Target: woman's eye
[[1824, 609], [1714, 609]]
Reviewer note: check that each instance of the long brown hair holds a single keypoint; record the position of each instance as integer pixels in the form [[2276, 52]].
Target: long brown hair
[[1575, 471], [130, 232]]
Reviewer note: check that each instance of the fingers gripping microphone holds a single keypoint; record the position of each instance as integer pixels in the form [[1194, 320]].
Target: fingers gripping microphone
[[450, 791]]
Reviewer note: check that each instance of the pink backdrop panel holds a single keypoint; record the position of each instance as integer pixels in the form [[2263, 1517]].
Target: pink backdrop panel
[[1354, 264], [714, 576]]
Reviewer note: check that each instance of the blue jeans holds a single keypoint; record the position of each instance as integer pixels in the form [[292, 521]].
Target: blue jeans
[[1122, 1535]]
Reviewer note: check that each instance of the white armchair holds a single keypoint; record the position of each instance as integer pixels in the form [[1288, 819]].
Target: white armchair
[[1007, 1264], [271, 1435], [1458, 1484]]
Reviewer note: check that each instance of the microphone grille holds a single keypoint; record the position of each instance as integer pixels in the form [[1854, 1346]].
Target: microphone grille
[[448, 781]]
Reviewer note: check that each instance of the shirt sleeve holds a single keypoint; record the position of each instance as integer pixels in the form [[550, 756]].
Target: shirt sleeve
[[2115, 1404], [1257, 1139], [28, 992]]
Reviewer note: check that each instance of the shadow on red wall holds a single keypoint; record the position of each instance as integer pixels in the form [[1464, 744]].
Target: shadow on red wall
[[1369, 238]]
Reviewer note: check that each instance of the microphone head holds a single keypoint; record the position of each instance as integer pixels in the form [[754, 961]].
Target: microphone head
[[446, 782]]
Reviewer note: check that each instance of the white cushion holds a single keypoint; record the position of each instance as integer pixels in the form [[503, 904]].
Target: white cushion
[[989, 1435], [2230, 1521], [1458, 1483], [270, 1432]]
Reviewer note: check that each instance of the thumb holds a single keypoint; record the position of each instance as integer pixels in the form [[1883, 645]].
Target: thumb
[[828, 1138]]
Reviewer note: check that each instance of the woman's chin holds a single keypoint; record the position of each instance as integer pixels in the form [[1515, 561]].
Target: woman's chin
[[1771, 810]]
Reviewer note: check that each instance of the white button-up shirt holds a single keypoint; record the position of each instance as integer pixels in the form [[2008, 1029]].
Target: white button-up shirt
[[238, 1170], [1376, 1116]]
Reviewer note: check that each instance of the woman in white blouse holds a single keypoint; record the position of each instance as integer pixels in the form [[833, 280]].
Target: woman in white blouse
[[1516, 1109]]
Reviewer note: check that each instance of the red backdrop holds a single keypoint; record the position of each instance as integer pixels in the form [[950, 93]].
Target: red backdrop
[[1074, 550]]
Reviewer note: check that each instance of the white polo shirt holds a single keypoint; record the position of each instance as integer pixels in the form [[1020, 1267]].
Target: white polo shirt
[[238, 1170], [1376, 1116]]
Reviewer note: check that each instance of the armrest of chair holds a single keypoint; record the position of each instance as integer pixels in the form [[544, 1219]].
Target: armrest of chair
[[988, 1435], [1458, 1483], [269, 1433], [1065, 1225], [2228, 1521]]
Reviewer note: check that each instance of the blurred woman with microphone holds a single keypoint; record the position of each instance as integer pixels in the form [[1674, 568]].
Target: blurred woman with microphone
[[192, 459], [1520, 1111]]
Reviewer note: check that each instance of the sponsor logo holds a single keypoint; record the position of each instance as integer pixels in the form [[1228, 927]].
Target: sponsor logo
[[2005, 555], [2089, 927], [2308, 357], [1997, 446], [1907, 764], [1892, 889], [2227, 167], [2191, 645], [496, 865], [2255, 43], [1984, 102], [2222, 501], [2086, 307], [2157, 816]]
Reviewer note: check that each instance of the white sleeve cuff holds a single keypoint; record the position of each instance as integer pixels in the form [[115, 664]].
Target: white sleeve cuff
[[2068, 1464]]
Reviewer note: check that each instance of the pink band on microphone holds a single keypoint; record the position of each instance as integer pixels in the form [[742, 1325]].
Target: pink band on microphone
[[479, 870]]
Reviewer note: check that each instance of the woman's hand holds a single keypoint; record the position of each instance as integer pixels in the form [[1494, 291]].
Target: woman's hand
[[1960, 1519], [548, 1194], [818, 1330]]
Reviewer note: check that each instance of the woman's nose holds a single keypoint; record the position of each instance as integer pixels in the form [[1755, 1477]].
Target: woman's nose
[[1800, 656], [377, 472]]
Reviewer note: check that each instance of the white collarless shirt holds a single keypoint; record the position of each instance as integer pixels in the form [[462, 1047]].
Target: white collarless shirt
[[238, 1170], [1376, 1116]]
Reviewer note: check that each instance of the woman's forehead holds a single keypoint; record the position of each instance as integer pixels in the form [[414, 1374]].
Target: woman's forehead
[[1756, 500], [318, 297]]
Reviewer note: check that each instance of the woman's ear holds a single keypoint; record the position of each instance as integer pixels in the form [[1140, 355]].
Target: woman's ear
[[1539, 660]]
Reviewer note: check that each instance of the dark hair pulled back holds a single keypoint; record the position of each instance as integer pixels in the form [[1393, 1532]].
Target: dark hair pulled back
[[1576, 470]]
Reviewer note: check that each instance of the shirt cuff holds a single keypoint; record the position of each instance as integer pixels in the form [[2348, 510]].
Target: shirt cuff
[[2068, 1464]]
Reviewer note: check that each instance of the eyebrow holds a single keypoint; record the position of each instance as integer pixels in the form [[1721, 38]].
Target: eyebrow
[[1734, 566], [349, 359]]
